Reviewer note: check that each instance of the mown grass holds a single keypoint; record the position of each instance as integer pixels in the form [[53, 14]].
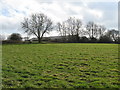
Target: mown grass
[[60, 66]]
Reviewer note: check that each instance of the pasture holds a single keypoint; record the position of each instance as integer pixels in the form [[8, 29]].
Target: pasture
[[70, 65]]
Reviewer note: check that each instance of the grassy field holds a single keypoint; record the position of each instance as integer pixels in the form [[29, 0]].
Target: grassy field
[[60, 66]]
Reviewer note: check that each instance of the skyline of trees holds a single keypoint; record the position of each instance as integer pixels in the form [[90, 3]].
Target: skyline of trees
[[71, 30]]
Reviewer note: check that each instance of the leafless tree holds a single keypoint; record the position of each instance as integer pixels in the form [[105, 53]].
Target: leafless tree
[[72, 27], [101, 30], [38, 25], [92, 28], [62, 28]]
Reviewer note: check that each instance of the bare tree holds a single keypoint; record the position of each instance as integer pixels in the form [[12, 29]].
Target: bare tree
[[38, 25], [101, 30], [95, 30], [72, 27], [78, 29], [91, 28], [61, 27]]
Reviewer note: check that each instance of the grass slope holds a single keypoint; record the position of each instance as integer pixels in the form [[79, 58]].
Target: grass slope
[[60, 66]]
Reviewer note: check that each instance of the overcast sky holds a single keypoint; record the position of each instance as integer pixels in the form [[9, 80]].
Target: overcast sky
[[12, 12]]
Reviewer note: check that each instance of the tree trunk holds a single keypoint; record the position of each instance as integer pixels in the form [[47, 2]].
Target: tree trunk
[[77, 38], [39, 40], [92, 33]]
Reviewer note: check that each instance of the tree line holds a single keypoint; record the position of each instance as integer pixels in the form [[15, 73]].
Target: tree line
[[71, 30]]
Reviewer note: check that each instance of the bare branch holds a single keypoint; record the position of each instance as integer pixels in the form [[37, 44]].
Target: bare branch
[[38, 25]]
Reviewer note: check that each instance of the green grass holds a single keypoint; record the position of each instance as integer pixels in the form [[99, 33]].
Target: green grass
[[60, 66]]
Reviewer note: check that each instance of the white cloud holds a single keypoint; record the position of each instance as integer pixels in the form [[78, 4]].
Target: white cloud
[[60, 10], [95, 13]]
